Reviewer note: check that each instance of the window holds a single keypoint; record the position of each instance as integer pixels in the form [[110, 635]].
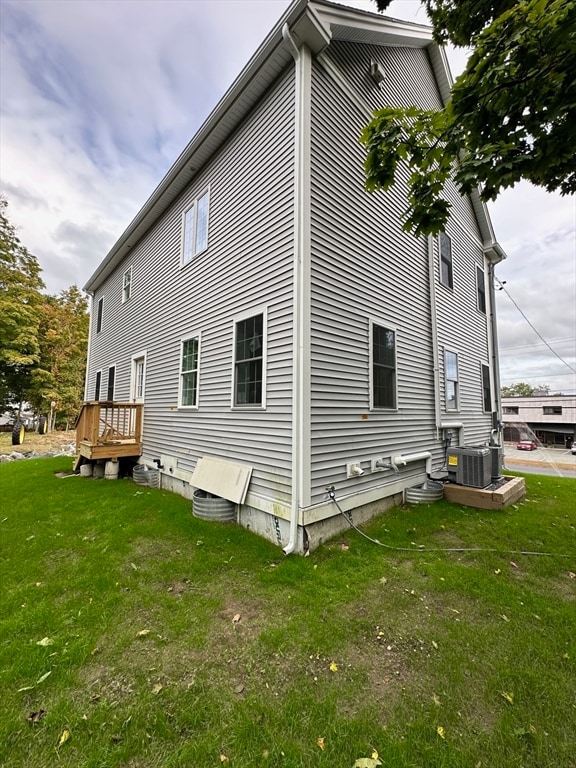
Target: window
[[552, 410], [111, 378], [451, 375], [189, 373], [195, 229], [383, 367], [97, 385], [99, 315], [445, 260], [481, 288], [486, 389], [137, 379], [511, 409], [249, 361], [127, 285]]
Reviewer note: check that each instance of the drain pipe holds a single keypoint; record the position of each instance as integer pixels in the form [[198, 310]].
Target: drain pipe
[[301, 286]]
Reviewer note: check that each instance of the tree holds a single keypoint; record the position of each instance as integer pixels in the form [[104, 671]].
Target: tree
[[20, 303], [512, 114], [59, 374], [517, 390]]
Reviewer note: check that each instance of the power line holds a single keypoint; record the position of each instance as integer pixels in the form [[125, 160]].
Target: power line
[[501, 288]]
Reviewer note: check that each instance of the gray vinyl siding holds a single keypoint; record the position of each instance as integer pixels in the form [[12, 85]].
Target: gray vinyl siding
[[246, 267], [365, 267]]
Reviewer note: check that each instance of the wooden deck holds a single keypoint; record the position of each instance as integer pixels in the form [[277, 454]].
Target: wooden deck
[[108, 430]]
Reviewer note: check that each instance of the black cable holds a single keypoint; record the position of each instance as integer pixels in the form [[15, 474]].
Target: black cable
[[348, 517]]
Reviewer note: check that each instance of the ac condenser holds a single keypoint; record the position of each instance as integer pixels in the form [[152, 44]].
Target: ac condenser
[[470, 465]]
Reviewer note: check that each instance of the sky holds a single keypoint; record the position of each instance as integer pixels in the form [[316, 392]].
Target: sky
[[99, 97]]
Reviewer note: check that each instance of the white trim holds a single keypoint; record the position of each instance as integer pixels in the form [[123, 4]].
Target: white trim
[[133, 380], [246, 315], [124, 297], [387, 327], [193, 207], [457, 380], [183, 340]]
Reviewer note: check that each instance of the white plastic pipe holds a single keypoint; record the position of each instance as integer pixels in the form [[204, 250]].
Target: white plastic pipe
[[402, 460]]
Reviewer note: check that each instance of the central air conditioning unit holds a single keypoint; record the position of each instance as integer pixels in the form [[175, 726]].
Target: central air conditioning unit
[[470, 465]]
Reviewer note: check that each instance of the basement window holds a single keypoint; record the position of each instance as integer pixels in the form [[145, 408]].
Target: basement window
[[552, 410]]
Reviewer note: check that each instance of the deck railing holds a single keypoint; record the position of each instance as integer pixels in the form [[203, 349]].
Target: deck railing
[[109, 423]]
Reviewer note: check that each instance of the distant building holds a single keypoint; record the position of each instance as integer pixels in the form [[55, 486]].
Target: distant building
[[551, 418]]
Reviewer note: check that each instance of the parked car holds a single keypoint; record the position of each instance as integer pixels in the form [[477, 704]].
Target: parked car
[[573, 449], [526, 445]]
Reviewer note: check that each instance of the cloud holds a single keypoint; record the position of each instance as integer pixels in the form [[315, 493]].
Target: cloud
[[99, 97]]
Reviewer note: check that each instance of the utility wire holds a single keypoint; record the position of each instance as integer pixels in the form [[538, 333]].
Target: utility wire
[[502, 288]]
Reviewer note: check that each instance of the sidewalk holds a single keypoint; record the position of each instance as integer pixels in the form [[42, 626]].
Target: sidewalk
[[542, 457]]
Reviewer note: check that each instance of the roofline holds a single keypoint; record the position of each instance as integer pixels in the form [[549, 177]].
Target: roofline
[[311, 22]]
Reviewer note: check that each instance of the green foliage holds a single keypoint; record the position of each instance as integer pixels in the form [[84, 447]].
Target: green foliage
[[512, 114], [20, 302], [517, 390], [43, 339]]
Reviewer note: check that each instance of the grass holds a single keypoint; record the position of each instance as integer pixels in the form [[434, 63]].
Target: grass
[[153, 639]]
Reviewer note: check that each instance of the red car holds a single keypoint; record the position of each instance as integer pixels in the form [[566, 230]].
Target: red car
[[526, 445]]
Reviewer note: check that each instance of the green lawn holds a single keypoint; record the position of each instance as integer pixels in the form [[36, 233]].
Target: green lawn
[[139, 636]]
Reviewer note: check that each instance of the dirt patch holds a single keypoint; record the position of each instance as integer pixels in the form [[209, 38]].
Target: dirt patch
[[33, 442]]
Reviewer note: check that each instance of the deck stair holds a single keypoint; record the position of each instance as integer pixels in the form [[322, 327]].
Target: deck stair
[[107, 429]]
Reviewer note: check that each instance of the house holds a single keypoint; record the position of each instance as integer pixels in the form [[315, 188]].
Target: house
[[551, 419], [271, 315]]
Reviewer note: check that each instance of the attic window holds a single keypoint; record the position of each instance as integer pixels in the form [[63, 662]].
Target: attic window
[[377, 71]]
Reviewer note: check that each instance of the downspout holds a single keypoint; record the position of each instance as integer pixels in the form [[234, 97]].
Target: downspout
[[495, 362], [301, 288]]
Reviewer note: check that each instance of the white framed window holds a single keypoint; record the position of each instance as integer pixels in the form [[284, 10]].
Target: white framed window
[[486, 389], [138, 378], [481, 289], [189, 372], [99, 313], [127, 285], [382, 366], [195, 228], [445, 249], [451, 379], [111, 382], [249, 376]]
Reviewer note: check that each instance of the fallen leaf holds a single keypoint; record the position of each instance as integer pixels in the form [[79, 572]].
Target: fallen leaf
[[504, 617], [238, 688], [367, 762], [35, 717], [383, 581], [43, 677], [320, 742], [45, 642], [133, 566], [513, 564], [441, 732], [223, 758], [157, 688], [436, 699], [508, 696], [143, 633], [333, 666], [572, 575], [236, 618], [64, 737], [497, 571], [374, 755], [434, 644]]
